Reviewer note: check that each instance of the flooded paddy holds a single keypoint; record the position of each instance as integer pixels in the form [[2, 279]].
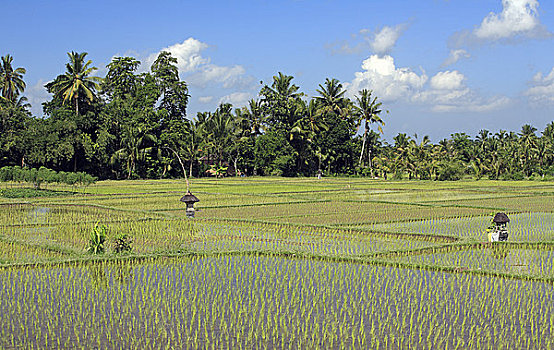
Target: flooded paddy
[[238, 301], [343, 263]]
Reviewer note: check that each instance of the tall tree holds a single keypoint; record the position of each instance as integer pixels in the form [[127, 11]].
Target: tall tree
[[11, 80], [121, 81], [76, 81], [369, 111], [280, 101], [331, 97], [256, 117], [174, 92]]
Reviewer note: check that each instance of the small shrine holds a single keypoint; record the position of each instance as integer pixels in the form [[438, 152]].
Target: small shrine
[[499, 231], [189, 199]]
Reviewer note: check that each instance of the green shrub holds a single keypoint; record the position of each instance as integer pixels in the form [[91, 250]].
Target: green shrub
[[450, 171], [97, 239], [122, 244]]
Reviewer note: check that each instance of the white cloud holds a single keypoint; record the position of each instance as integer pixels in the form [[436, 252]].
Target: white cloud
[[455, 56], [228, 76], [385, 39], [237, 99], [205, 99], [448, 80], [447, 92], [36, 95], [519, 19], [199, 70], [542, 88], [380, 41], [188, 54], [387, 81]]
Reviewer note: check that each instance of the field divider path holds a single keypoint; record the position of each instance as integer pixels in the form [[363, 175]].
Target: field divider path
[[247, 205], [94, 205], [45, 245], [429, 204], [114, 221], [421, 236], [366, 260]]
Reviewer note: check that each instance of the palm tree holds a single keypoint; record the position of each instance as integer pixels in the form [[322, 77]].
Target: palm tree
[[11, 80], [282, 86], [311, 122], [331, 99], [256, 117], [280, 100], [221, 127], [400, 147], [76, 80], [132, 149], [368, 109], [528, 141], [307, 127]]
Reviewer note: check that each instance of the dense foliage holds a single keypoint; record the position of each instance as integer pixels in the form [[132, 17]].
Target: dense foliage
[[42, 175], [134, 125]]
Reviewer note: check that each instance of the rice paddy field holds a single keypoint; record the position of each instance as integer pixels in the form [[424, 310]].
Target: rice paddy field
[[280, 263]]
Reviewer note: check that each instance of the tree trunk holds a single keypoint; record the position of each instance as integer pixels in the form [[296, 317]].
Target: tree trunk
[[182, 165], [363, 143], [319, 163]]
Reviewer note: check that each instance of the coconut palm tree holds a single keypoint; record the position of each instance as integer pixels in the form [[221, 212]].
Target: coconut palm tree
[[368, 110], [282, 86], [280, 101], [11, 80], [331, 97], [76, 81], [528, 141], [220, 130], [133, 141], [256, 117], [307, 127]]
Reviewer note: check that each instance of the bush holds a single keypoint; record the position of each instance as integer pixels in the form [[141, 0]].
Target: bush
[[44, 175], [517, 176], [122, 244], [450, 171], [97, 239], [31, 193]]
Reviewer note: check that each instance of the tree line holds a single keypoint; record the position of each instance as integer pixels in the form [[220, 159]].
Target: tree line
[[132, 124]]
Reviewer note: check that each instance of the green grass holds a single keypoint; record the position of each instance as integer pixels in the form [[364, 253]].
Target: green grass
[[31, 193]]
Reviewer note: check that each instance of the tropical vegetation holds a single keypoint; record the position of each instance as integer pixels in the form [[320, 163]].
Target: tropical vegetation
[[132, 124]]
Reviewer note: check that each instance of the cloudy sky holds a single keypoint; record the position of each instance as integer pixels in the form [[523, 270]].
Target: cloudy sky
[[439, 66]]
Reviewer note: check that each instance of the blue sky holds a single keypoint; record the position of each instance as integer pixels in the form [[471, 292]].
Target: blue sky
[[439, 66]]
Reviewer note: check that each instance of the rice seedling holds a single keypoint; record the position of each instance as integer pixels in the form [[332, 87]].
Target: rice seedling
[[239, 301], [279, 263]]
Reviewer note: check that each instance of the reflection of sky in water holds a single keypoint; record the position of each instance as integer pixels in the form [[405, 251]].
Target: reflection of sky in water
[[146, 301], [39, 214], [501, 259], [303, 240], [522, 226]]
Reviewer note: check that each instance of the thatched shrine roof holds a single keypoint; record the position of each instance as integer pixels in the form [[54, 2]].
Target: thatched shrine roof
[[189, 198], [501, 218]]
